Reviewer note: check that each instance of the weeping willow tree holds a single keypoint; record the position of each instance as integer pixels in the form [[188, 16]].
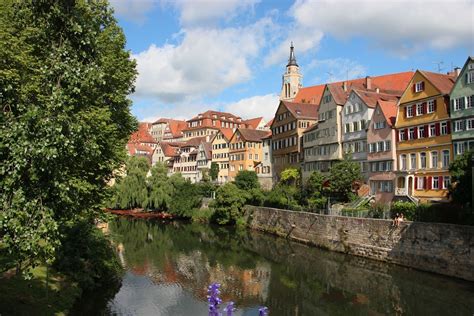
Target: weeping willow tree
[[160, 188], [131, 191]]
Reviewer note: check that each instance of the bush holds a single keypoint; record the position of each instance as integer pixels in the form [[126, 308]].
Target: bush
[[203, 215], [377, 210], [247, 180], [256, 197], [282, 196], [228, 204], [87, 257], [185, 199], [408, 209]]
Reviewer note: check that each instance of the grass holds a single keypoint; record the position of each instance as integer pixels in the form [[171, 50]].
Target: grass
[[37, 296]]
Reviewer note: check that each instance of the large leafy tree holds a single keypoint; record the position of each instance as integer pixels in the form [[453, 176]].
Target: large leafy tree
[[342, 176], [461, 172], [247, 180], [160, 188], [65, 118], [131, 191], [314, 190], [214, 172]]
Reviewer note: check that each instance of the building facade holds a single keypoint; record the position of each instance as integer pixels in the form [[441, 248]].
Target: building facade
[[209, 123], [424, 146], [382, 155], [166, 129], [245, 150], [462, 109], [265, 169], [203, 160], [289, 123], [220, 153]]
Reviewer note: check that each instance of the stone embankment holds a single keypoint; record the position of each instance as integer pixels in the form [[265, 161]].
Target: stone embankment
[[441, 248]]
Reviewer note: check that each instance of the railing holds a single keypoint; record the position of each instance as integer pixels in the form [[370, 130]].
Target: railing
[[401, 191]]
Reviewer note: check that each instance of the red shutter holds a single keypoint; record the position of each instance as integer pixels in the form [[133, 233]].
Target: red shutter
[[422, 86], [425, 183], [430, 181], [425, 107], [414, 88], [397, 138], [415, 134], [413, 109], [449, 127], [416, 183], [435, 104], [437, 129], [405, 109], [426, 131]]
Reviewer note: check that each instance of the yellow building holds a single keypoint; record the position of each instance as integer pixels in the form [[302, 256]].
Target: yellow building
[[424, 147], [220, 153], [245, 150]]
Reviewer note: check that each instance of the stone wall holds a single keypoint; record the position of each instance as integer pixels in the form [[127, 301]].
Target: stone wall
[[442, 248]]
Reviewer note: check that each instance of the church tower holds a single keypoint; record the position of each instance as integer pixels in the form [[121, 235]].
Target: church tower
[[292, 80]]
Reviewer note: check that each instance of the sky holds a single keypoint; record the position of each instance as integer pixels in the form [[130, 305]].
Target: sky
[[229, 55]]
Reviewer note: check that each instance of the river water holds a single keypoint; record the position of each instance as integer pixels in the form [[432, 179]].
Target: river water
[[170, 264]]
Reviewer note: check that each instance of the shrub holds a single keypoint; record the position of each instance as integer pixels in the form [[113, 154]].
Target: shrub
[[228, 204], [247, 180], [408, 209], [203, 215], [185, 199]]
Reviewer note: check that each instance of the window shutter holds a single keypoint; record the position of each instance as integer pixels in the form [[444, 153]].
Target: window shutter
[[422, 86], [449, 127], [467, 77], [414, 86], [405, 109], [426, 131], [415, 136], [425, 107], [435, 104], [425, 183], [437, 128], [416, 183], [397, 137], [452, 104], [430, 181]]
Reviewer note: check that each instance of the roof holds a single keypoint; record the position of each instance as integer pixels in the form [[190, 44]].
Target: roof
[[394, 83], [254, 122], [170, 149], [253, 135], [389, 110], [444, 83], [269, 123], [134, 147], [177, 127], [210, 113], [302, 110], [194, 142], [312, 127], [207, 146], [370, 98], [142, 135], [227, 132]]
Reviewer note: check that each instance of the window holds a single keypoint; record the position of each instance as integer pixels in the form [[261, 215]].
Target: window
[[373, 167], [411, 133], [470, 77], [421, 132], [419, 109], [445, 159], [469, 102], [409, 111], [379, 125], [431, 106], [434, 159], [403, 162], [256, 156], [412, 161], [402, 134], [459, 148], [458, 104], [241, 167], [250, 156], [419, 86], [356, 126], [444, 128], [435, 183], [458, 125], [423, 160], [446, 182], [421, 183], [387, 145], [432, 130], [232, 168], [470, 124]]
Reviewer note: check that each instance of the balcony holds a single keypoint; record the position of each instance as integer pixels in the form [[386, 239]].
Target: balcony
[[401, 191]]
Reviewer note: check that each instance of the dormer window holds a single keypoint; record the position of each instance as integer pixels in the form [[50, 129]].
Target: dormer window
[[419, 86]]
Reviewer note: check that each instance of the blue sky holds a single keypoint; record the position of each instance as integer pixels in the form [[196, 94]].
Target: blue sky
[[194, 55]]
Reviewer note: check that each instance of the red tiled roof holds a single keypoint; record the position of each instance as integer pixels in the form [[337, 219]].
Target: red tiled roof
[[370, 98], [227, 132], [207, 146], [170, 149], [444, 83], [177, 127], [142, 135], [253, 123], [253, 135], [134, 147], [194, 142], [310, 94], [389, 110], [302, 110], [210, 113], [269, 123]]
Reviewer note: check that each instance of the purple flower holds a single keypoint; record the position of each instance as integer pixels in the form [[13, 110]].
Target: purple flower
[[229, 309], [263, 311], [213, 299]]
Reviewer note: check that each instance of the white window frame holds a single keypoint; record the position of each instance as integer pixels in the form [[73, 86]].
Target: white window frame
[[419, 109], [445, 164], [431, 106], [411, 133], [422, 160], [432, 130], [412, 165], [434, 155], [409, 111], [421, 131], [458, 125], [421, 183], [469, 124], [469, 101], [403, 162], [435, 183], [443, 128], [446, 182], [419, 86], [470, 77]]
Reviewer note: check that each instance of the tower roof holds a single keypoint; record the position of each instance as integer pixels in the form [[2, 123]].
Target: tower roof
[[292, 59]]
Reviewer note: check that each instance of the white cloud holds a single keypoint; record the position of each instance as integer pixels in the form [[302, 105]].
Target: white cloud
[[336, 69], [133, 10], [256, 106], [205, 12], [204, 63], [401, 26]]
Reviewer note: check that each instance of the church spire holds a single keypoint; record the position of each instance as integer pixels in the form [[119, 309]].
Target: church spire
[[292, 59]]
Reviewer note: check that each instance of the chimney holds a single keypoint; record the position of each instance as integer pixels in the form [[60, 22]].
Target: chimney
[[368, 82], [457, 71], [377, 90], [344, 85]]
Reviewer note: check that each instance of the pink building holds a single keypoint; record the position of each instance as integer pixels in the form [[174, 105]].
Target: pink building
[[381, 138]]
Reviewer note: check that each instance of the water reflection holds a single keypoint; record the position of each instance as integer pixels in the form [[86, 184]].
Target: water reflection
[[169, 266]]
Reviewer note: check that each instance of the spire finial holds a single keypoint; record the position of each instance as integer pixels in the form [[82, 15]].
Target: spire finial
[[292, 59]]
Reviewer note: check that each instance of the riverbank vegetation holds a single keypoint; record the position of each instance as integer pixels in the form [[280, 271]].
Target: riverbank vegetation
[[64, 85]]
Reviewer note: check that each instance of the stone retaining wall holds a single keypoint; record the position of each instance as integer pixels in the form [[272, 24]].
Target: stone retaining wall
[[442, 248]]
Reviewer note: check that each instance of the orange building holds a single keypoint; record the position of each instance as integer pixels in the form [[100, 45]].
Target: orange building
[[424, 147], [245, 150]]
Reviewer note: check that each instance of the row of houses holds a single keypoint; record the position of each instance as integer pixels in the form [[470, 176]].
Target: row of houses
[[404, 129]]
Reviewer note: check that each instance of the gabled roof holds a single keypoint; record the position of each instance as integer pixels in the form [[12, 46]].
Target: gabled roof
[[269, 123], [210, 113], [177, 127], [207, 146], [370, 98], [133, 148], [468, 60], [142, 135], [254, 122], [170, 149], [302, 110], [444, 83], [389, 110], [194, 142], [253, 135], [310, 94], [227, 133]]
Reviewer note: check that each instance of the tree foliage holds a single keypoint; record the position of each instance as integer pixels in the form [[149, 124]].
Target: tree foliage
[[214, 172], [228, 204], [342, 176], [186, 198], [131, 191], [461, 176], [290, 176], [64, 81], [247, 180], [314, 191], [160, 189]]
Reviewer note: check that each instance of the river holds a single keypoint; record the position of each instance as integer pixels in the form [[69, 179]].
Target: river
[[170, 264]]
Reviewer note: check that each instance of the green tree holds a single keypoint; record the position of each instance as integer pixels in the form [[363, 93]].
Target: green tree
[[342, 176], [246, 180], [185, 199], [65, 77], [131, 191], [228, 204], [461, 176], [160, 188], [214, 172], [290, 176], [314, 190]]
